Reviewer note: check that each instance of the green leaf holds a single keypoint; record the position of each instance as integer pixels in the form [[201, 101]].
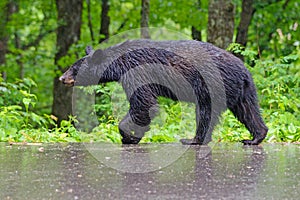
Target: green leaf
[[26, 102], [292, 128]]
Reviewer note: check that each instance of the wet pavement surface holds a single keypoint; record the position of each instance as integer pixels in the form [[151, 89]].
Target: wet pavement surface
[[149, 171]]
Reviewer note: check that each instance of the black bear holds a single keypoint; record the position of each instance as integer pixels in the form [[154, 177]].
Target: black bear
[[184, 70]]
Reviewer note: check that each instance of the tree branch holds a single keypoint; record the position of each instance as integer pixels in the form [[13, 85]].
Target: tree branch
[[88, 2]]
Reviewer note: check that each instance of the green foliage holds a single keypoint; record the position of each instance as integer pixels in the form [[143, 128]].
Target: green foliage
[[123, 19], [175, 120], [273, 49], [250, 56], [281, 96], [187, 13], [15, 108], [13, 93], [274, 28], [107, 131], [19, 123], [16, 102]]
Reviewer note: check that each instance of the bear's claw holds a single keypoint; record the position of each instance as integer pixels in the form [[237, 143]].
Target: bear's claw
[[190, 142], [250, 142]]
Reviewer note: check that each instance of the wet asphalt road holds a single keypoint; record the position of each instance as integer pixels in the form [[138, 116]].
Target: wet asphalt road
[[149, 171]]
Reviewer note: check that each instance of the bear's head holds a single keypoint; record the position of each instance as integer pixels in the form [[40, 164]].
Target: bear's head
[[69, 77]]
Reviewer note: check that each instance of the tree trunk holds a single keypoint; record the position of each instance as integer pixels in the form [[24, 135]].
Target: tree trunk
[[246, 16], [89, 18], [69, 15], [19, 56], [105, 21], [145, 19], [220, 22], [8, 9]]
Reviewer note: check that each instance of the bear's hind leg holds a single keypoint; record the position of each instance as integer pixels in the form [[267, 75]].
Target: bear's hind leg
[[247, 112]]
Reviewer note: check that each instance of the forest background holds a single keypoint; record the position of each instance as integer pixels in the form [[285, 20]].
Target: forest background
[[40, 39]]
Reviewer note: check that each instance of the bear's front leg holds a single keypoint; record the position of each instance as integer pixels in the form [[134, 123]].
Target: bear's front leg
[[126, 129], [130, 131]]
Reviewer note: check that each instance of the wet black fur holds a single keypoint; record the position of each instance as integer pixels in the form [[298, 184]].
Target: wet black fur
[[240, 91]]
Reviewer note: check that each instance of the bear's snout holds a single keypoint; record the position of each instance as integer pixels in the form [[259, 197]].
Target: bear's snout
[[67, 81]]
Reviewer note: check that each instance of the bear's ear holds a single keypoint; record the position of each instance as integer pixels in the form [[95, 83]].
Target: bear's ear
[[88, 50]]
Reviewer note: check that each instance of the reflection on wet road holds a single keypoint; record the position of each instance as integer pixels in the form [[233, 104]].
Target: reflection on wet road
[[149, 171]]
